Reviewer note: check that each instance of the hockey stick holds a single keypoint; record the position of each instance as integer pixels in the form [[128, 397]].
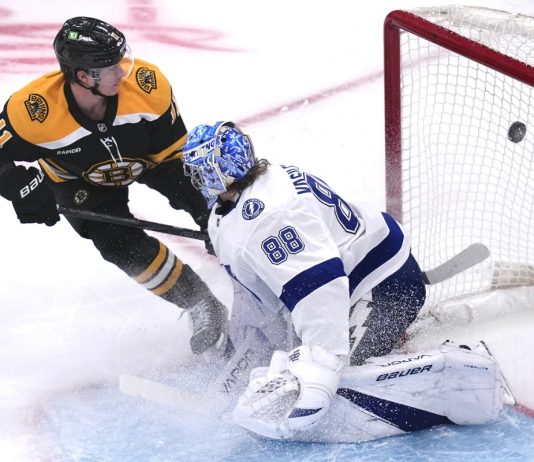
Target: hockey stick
[[132, 223], [467, 258], [160, 393], [223, 390]]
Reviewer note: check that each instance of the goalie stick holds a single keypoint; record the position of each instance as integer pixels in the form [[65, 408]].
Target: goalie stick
[[230, 381], [467, 258], [160, 393], [153, 391], [171, 396]]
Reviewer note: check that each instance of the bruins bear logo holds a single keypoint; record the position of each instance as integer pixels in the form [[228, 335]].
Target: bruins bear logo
[[120, 173], [37, 107], [146, 79]]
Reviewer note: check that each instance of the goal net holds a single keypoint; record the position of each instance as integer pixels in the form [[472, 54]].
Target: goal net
[[460, 141]]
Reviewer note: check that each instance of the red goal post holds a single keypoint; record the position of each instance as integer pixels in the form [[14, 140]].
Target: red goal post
[[456, 79]]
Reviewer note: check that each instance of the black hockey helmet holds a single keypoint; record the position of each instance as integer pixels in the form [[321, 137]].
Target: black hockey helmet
[[88, 43]]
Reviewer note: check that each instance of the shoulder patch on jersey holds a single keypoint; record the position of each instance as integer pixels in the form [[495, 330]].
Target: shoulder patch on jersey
[[145, 94], [252, 208], [146, 79], [37, 107]]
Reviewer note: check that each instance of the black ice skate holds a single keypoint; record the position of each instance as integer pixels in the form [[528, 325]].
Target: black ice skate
[[208, 320]]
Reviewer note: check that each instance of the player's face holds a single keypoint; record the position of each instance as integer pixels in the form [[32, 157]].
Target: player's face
[[109, 78]]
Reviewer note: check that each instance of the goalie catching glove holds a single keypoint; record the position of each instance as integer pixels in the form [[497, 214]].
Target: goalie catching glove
[[291, 395]]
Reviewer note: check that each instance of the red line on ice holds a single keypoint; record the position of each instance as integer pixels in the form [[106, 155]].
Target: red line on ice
[[525, 410], [311, 99]]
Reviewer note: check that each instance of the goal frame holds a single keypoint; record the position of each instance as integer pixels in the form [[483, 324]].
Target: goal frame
[[395, 23]]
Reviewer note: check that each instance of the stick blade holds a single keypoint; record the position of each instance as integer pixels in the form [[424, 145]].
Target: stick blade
[[157, 392], [467, 258]]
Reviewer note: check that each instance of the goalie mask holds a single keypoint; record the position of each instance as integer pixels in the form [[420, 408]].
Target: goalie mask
[[217, 156]]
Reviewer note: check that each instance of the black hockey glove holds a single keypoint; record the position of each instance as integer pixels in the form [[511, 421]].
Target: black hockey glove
[[32, 199]]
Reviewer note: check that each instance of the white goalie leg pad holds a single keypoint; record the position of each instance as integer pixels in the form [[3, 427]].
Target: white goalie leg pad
[[396, 394], [472, 388], [461, 385]]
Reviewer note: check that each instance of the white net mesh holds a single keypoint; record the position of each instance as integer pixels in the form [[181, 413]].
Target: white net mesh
[[464, 180]]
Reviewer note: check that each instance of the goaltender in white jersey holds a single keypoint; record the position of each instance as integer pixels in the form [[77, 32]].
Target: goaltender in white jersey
[[340, 273], [294, 244]]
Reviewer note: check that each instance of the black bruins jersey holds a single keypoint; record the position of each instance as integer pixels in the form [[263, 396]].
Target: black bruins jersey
[[142, 128]]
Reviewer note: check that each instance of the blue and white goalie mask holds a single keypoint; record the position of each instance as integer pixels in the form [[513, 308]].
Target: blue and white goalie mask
[[215, 157]]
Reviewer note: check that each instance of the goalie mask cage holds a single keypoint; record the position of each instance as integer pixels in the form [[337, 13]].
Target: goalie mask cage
[[456, 79]]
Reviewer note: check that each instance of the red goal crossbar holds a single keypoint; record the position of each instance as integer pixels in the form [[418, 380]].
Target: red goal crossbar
[[396, 22]]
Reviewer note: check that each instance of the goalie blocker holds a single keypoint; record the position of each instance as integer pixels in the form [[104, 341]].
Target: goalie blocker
[[387, 396]]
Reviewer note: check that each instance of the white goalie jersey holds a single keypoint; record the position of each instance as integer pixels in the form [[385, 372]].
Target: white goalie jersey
[[294, 244]]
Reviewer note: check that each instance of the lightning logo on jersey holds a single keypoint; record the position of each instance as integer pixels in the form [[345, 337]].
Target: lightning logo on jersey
[[358, 317], [252, 208]]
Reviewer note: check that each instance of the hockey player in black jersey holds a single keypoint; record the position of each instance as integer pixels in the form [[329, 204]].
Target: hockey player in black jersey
[[102, 122]]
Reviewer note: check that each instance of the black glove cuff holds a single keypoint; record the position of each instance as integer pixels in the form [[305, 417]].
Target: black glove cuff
[[17, 182]]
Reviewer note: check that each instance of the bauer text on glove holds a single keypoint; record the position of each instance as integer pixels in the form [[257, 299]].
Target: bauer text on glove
[[32, 199]]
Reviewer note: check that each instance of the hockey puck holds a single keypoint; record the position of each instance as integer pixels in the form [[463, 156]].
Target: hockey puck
[[517, 132]]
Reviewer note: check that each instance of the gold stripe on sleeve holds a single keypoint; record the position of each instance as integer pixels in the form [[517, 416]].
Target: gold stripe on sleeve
[[171, 153]]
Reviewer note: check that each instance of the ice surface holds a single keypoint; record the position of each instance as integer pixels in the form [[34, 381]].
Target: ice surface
[[102, 425], [305, 79]]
